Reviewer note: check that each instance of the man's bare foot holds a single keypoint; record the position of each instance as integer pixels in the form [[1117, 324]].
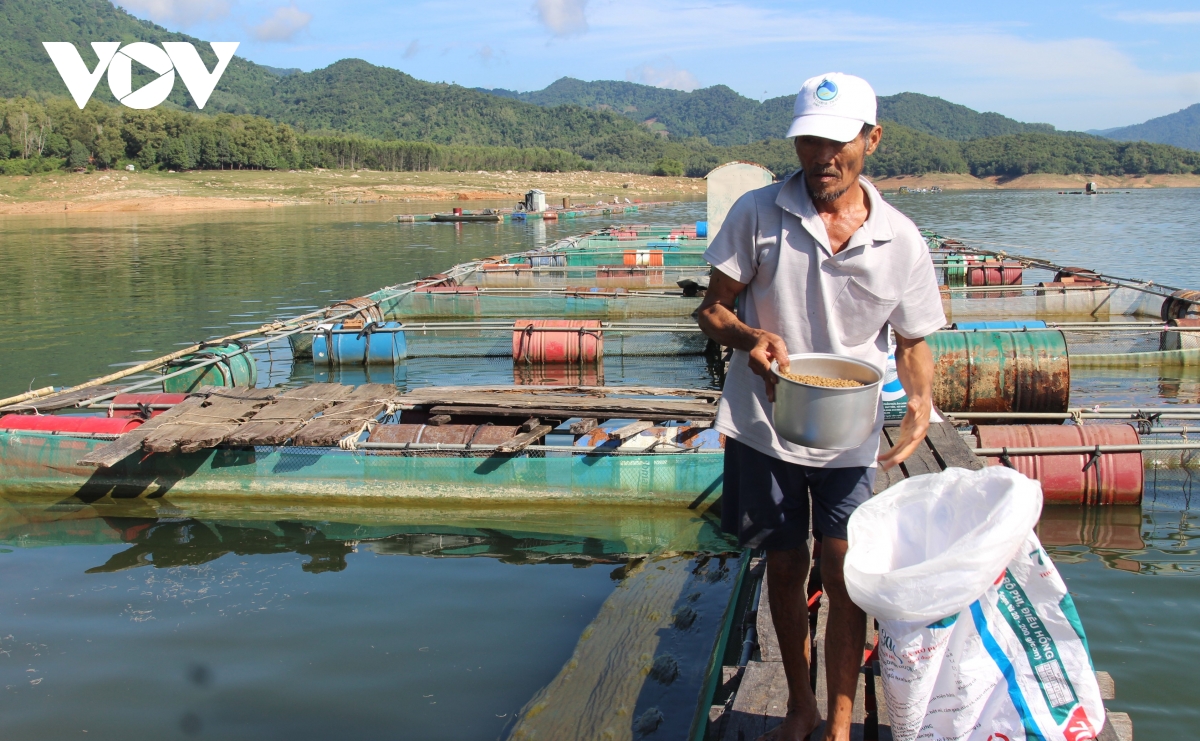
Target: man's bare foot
[[796, 726]]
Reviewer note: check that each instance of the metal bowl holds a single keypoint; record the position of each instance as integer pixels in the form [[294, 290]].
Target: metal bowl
[[822, 417]]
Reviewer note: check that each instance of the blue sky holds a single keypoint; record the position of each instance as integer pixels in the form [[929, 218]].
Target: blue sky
[[1075, 65]]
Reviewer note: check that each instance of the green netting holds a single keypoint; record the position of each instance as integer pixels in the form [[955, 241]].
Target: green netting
[[539, 306], [45, 464], [498, 344], [667, 277], [1025, 303], [611, 256]]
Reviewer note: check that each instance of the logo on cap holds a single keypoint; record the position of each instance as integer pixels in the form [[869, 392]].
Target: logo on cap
[[827, 90]]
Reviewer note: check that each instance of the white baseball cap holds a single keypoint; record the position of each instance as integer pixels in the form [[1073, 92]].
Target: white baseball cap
[[833, 106]]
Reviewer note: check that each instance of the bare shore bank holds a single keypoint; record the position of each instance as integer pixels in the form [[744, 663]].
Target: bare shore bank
[[122, 191], [163, 192]]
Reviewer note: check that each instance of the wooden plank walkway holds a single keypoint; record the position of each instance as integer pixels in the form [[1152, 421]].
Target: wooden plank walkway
[[758, 701], [57, 403]]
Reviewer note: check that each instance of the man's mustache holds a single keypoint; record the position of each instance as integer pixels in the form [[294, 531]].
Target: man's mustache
[[827, 171]]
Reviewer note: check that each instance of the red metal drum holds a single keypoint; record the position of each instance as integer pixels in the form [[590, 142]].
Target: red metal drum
[[1116, 478], [53, 423], [550, 216], [567, 341], [158, 403], [994, 273]]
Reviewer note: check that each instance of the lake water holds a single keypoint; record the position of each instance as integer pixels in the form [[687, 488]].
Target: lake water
[[180, 620]]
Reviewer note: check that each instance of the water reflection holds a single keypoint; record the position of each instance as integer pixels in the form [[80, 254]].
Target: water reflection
[[148, 619], [105, 290], [1156, 539]]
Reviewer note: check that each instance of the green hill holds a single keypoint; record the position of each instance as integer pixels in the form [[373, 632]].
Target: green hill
[[350, 96], [1180, 129], [950, 120], [353, 113], [726, 118]]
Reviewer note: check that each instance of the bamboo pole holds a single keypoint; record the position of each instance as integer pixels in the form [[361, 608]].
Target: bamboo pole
[[1085, 449]]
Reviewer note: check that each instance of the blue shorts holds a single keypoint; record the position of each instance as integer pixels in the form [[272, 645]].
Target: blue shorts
[[765, 501]]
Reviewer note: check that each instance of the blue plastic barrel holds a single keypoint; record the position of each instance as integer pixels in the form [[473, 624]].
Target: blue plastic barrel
[[701, 229], [374, 344], [1019, 324]]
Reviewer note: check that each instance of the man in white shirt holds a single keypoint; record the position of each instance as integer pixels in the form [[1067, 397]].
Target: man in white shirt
[[817, 263]]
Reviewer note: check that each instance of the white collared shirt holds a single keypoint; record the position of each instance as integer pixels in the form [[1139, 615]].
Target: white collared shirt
[[774, 241]]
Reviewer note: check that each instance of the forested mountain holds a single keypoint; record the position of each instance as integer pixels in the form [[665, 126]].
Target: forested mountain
[[353, 113], [349, 96], [724, 117], [950, 120], [1180, 129]]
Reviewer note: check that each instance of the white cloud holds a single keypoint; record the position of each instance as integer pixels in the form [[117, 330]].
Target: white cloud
[[412, 50], [563, 17], [177, 12], [283, 24], [663, 73], [1159, 18]]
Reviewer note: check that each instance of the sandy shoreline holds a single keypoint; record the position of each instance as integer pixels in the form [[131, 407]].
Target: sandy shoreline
[[160, 192]]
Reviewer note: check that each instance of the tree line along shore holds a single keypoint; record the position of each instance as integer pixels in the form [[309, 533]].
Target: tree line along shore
[[48, 134]]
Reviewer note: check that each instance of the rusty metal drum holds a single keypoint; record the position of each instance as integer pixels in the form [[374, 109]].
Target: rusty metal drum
[[994, 273], [1189, 339], [1001, 371], [443, 434], [556, 341], [1181, 305], [1114, 478]]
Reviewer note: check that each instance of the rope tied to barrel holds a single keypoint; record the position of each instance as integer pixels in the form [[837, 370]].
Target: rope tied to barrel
[[350, 442]]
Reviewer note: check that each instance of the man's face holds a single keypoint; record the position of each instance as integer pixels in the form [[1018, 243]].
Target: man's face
[[832, 167]]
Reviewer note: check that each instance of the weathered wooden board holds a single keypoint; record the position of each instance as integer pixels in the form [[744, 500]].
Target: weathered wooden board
[[760, 703], [126, 445], [347, 416], [61, 401], [207, 426], [275, 423], [768, 639], [433, 393], [524, 440], [629, 430], [559, 404], [859, 712], [583, 426], [562, 413], [921, 461], [949, 446], [1118, 728], [595, 693]]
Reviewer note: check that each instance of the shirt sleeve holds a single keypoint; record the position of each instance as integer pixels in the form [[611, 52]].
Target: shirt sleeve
[[732, 251], [919, 312]]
